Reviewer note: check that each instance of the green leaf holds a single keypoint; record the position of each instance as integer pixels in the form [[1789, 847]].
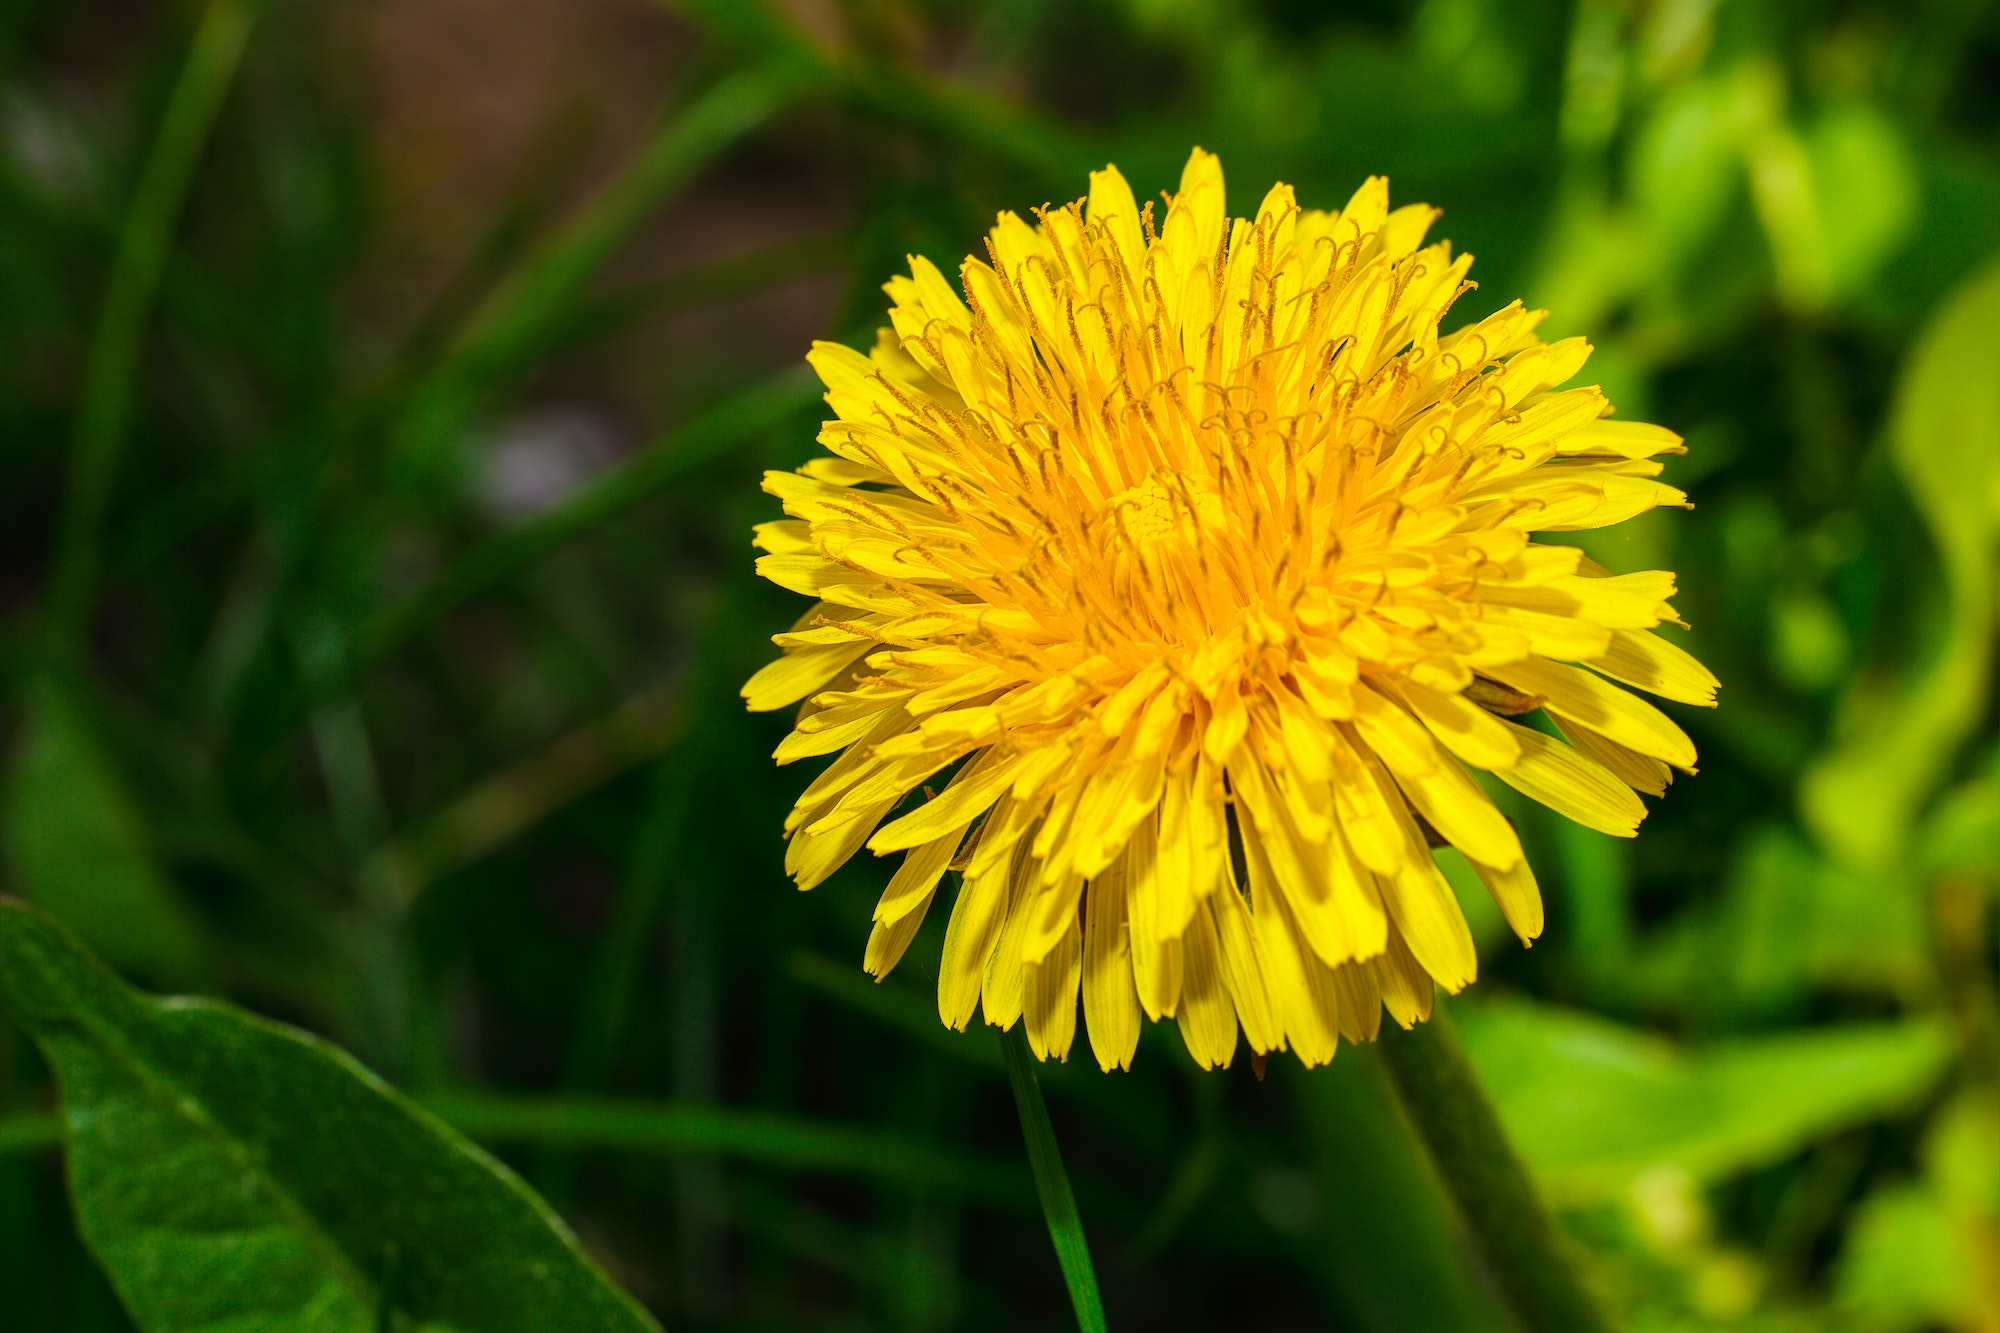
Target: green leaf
[[694, 1129], [234, 1174], [1908, 1265], [1790, 920], [1592, 1105], [80, 850], [1945, 441], [1916, 1253], [1866, 186], [1962, 834], [1687, 163]]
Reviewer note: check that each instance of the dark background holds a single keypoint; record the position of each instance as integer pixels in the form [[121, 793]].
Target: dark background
[[397, 696]]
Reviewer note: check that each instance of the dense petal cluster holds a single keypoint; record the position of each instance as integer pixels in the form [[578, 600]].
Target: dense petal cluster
[[1205, 558]]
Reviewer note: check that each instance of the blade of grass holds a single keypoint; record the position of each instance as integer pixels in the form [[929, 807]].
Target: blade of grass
[[899, 92], [598, 316], [425, 396], [673, 1129], [891, 1003], [508, 327], [686, 1128], [1052, 1182], [532, 203], [30, 1132], [670, 458], [606, 1004], [904, 1008], [516, 797], [104, 407], [1191, 1181], [510, 320]]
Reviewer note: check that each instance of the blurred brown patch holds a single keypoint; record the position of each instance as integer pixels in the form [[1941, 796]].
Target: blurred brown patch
[[487, 116], [474, 100]]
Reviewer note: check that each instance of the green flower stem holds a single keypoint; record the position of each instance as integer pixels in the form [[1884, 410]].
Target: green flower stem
[[1452, 1114], [104, 407], [1052, 1182]]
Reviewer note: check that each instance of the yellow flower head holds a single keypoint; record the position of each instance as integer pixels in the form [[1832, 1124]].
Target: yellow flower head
[[1204, 557]]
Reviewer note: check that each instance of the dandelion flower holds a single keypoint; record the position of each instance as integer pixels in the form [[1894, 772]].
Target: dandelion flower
[[1173, 580]]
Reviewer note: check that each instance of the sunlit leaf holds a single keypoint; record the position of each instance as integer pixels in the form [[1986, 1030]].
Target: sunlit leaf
[[233, 1174], [1866, 186], [1917, 1255], [1908, 1266], [1791, 920], [1945, 441], [1686, 163], [1593, 1105], [1962, 835]]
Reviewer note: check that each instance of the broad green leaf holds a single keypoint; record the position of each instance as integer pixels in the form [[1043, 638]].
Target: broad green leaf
[[1593, 1105], [1908, 1265], [1686, 164], [79, 848], [1866, 186], [1791, 920], [1962, 1155], [1916, 1251], [232, 1174], [1945, 441], [1962, 834]]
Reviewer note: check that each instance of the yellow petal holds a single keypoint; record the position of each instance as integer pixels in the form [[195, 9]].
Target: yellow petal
[[1573, 785], [1051, 996], [1242, 969], [1457, 808], [1003, 993], [1201, 199], [1397, 738], [887, 940], [1623, 439], [915, 879], [1207, 1017], [1515, 891], [1651, 663], [799, 673], [1572, 692], [1051, 912], [971, 792], [1466, 729], [1311, 1022], [1637, 771], [1406, 989], [968, 944], [1359, 996], [1113, 209], [1156, 954], [1110, 1003]]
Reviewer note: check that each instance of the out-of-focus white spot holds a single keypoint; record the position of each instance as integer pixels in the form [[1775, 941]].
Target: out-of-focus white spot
[[539, 457], [47, 144]]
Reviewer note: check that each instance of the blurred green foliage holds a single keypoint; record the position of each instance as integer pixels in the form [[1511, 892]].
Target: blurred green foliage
[[377, 594]]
